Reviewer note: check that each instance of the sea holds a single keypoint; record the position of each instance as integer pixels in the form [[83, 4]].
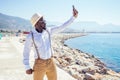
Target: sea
[[104, 46]]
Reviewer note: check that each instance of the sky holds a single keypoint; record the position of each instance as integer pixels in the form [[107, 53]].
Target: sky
[[100, 11]]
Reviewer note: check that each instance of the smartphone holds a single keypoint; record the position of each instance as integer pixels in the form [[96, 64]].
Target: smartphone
[[73, 6]]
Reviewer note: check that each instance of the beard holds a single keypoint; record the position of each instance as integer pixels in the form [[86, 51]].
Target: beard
[[44, 28], [41, 28]]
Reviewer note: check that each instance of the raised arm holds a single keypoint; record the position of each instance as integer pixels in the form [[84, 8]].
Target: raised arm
[[64, 25]]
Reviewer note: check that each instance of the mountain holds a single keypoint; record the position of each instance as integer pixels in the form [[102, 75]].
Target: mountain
[[90, 26], [14, 23], [95, 27]]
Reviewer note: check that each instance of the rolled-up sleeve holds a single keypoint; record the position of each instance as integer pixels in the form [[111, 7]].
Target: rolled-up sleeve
[[60, 28], [26, 51]]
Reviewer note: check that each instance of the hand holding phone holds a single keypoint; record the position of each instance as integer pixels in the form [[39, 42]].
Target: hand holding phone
[[75, 12]]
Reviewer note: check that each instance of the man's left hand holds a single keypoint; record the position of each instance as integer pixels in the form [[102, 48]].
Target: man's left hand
[[75, 12]]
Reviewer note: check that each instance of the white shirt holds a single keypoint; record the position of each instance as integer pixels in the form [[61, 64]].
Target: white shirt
[[42, 42]]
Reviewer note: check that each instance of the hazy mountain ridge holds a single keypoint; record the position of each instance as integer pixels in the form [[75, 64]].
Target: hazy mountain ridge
[[95, 27], [13, 23], [16, 23]]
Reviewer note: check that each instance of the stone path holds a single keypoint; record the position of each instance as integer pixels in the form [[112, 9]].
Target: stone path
[[11, 62]]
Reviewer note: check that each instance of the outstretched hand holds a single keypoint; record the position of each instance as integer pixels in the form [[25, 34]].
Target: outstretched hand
[[75, 12]]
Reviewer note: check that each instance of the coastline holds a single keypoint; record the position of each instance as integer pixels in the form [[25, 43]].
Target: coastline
[[73, 64], [78, 64]]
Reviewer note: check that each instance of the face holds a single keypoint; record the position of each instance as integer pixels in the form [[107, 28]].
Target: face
[[40, 25]]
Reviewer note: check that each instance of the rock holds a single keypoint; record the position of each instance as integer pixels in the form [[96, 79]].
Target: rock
[[92, 72], [78, 62], [75, 76], [111, 72], [85, 70], [98, 76], [80, 65], [99, 64], [68, 59], [65, 45], [102, 71], [59, 60], [54, 56], [71, 72], [88, 70], [65, 64], [74, 69], [88, 77]]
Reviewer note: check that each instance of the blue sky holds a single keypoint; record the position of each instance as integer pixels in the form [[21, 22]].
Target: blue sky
[[101, 11]]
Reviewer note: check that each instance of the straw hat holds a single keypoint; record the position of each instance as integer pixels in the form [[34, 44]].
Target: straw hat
[[35, 18]]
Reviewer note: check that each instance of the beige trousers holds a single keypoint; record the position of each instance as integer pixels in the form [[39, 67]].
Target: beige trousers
[[44, 67]]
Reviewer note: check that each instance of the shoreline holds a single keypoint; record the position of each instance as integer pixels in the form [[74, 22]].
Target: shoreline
[[101, 58], [78, 64]]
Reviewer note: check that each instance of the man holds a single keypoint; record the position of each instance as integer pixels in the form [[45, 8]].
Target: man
[[40, 38]]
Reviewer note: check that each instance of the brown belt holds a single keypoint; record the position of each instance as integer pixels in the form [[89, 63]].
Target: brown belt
[[38, 60]]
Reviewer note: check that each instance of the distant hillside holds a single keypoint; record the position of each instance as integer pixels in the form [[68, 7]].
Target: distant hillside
[[91, 26], [88, 26], [13, 23], [16, 23]]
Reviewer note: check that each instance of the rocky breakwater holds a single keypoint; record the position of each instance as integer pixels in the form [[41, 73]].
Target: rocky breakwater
[[78, 64]]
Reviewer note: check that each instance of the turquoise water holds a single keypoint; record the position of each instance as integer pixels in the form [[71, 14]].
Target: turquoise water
[[106, 47]]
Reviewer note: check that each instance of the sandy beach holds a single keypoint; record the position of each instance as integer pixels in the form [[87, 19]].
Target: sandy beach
[[73, 64]]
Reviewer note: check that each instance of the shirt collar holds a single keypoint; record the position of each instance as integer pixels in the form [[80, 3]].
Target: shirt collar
[[35, 32]]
